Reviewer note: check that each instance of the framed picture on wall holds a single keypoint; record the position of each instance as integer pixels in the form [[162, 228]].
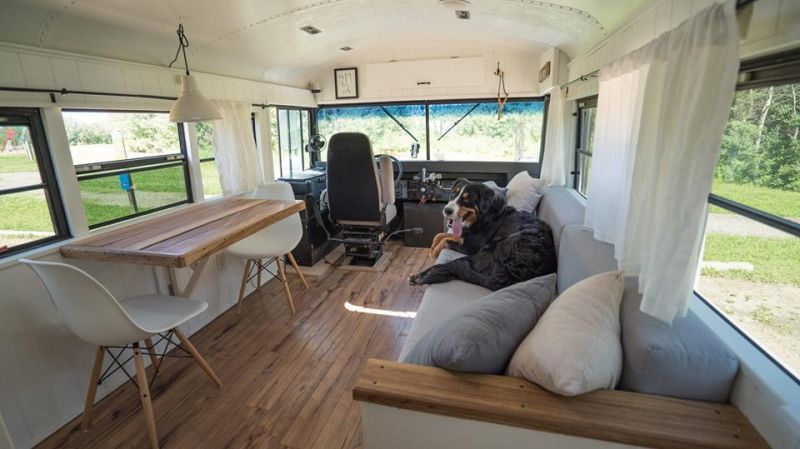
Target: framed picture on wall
[[346, 83], [544, 72]]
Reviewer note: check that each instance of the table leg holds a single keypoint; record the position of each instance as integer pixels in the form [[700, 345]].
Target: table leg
[[187, 291]]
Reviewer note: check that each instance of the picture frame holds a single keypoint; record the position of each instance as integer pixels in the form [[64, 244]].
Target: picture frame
[[544, 72], [346, 82]]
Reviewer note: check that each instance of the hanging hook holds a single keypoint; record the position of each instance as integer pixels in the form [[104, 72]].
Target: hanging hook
[[501, 86], [183, 44]]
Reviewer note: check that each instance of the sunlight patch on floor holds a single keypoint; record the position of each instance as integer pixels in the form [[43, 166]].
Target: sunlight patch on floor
[[361, 309]]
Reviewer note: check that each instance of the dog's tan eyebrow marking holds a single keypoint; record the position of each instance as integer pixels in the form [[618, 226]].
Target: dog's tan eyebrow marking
[[465, 195]]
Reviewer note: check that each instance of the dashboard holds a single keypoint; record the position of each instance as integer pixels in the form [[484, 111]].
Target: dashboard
[[437, 187]]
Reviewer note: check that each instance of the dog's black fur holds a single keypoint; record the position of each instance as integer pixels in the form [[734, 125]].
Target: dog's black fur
[[503, 246]]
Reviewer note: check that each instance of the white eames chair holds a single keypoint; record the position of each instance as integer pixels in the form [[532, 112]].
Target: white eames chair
[[91, 312], [270, 244]]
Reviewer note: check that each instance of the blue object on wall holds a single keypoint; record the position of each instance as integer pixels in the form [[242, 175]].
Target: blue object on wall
[[125, 182]]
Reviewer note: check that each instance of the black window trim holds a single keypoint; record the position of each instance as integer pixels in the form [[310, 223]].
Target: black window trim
[[583, 103], [311, 131], [751, 67], [427, 103], [31, 117], [788, 61], [111, 168]]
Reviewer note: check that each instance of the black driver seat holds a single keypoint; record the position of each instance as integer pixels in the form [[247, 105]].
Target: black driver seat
[[360, 196]]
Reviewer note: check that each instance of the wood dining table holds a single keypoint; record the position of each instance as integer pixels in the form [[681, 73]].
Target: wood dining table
[[184, 237]]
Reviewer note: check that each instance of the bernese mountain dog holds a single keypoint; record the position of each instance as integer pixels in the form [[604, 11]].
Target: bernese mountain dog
[[503, 245]]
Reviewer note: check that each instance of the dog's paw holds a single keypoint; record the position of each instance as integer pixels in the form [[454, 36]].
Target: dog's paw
[[414, 279]]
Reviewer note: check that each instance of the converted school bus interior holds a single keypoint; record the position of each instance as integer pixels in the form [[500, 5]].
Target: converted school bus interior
[[399, 224]]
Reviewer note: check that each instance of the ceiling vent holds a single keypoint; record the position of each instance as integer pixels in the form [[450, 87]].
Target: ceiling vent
[[455, 4], [310, 29], [462, 14], [346, 48]]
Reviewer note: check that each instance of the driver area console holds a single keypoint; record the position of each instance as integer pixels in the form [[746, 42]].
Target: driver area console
[[422, 195]]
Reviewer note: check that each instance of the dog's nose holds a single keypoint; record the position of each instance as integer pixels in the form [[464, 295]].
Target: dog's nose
[[448, 211]]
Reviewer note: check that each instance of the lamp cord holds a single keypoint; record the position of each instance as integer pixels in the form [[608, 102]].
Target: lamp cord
[[183, 44]]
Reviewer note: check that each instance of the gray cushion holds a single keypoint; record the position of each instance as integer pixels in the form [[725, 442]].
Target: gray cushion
[[560, 207], [580, 256], [493, 185], [440, 302], [483, 336], [686, 360], [448, 255]]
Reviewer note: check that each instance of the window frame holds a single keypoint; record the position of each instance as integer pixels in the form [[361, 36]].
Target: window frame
[[104, 169], [312, 119], [214, 157], [427, 103], [757, 73], [583, 103], [31, 118]]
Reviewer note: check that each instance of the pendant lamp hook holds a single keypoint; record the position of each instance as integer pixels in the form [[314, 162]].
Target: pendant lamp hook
[[183, 44]]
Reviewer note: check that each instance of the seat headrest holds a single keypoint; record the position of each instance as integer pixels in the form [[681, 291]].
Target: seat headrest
[[386, 177], [354, 192]]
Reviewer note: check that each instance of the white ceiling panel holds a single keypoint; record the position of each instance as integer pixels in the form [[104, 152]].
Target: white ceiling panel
[[261, 40]]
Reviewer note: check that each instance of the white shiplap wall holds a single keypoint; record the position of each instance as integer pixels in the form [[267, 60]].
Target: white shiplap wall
[[22, 66], [774, 26], [43, 367], [520, 69]]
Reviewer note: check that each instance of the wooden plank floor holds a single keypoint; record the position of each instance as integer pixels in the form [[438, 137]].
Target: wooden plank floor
[[287, 380]]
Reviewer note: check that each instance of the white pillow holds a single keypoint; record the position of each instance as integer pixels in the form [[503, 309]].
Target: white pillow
[[575, 347], [524, 192]]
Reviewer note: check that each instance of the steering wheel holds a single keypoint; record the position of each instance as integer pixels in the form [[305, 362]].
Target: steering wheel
[[394, 161]]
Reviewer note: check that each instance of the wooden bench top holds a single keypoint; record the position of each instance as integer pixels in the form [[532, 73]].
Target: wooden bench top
[[616, 416], [182, 237]]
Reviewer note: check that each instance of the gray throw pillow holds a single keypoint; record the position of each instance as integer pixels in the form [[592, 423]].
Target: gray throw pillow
[[482, 337]]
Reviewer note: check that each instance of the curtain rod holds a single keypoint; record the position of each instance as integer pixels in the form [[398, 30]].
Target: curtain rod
[[53, 93], [740, 4]]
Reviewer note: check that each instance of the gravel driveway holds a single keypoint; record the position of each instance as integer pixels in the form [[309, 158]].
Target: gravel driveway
[[733, 224]]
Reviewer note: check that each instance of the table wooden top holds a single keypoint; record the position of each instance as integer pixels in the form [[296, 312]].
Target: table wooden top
[[182, 237]]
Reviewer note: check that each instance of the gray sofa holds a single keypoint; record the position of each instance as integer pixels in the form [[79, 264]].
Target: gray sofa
[[685, 360]]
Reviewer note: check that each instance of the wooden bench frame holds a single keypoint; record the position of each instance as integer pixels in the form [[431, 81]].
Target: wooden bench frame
[[609, 415]]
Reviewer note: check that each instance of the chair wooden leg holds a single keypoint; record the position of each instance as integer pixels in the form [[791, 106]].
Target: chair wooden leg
[[282, 270], [242, 287], [144, 395], [93, 381], [297, 269], [258, 275], [187, 345], [151, 349]]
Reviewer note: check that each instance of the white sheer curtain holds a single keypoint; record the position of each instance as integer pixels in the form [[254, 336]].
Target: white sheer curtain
[[558, 153], [238, 163], [661, 113]]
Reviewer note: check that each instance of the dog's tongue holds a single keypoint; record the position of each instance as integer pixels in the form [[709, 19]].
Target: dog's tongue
[[456, 226]]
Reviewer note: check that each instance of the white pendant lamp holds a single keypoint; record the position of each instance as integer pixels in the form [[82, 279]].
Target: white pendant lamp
[[191, 105]]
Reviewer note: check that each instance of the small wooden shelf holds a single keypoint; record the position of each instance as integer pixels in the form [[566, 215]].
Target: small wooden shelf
[[616, 416]]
